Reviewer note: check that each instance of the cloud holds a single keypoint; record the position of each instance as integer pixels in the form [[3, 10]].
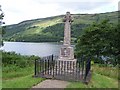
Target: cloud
[[19, 10], [118, 4], [81, 7]]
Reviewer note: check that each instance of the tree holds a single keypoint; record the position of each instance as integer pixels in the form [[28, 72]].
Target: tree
[[100, 41], [1, 16], [1, 28]]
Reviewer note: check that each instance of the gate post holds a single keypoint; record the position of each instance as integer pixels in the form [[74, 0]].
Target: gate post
[[82, 61], [87, 70], [52, 66], [35, 67]]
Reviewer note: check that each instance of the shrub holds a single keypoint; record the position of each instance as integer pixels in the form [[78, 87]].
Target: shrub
[[16, 60]]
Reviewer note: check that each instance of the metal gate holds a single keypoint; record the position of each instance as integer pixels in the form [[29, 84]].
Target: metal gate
[[51, 67]]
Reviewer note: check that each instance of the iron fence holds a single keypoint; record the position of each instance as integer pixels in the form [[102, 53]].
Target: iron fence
[[51, 67]]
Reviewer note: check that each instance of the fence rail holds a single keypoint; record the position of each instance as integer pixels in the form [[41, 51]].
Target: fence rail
[[51, 67]]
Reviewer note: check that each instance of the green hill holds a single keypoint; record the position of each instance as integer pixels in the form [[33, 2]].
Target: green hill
[[51, 28]]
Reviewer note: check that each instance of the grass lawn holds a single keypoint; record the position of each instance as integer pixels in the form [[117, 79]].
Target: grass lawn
[[97, 81], [20, 79], [0, 77], [18, 73], [21, 82]]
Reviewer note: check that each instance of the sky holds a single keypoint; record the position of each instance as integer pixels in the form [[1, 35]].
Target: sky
[[19, 10]]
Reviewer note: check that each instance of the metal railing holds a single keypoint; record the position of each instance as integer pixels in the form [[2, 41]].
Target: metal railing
[[51, 67]]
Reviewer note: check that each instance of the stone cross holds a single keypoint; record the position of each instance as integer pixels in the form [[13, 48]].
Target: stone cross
[[67, 31], [67, 52], [66, 59]]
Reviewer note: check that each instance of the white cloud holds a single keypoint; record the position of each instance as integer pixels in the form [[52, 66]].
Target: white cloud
[[112, 6], [19, 10]]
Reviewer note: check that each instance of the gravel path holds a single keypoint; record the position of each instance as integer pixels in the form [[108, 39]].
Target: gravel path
[[52, 84]]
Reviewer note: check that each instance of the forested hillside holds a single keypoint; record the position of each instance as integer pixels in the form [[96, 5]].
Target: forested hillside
[[51, 29]]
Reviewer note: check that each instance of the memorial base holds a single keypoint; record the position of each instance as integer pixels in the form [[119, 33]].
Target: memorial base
[[67, 65]]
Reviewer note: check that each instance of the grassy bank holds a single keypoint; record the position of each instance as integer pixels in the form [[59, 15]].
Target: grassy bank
[[108, 71], [17, 71], [21, 82], [97, 81], [100, 78]]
